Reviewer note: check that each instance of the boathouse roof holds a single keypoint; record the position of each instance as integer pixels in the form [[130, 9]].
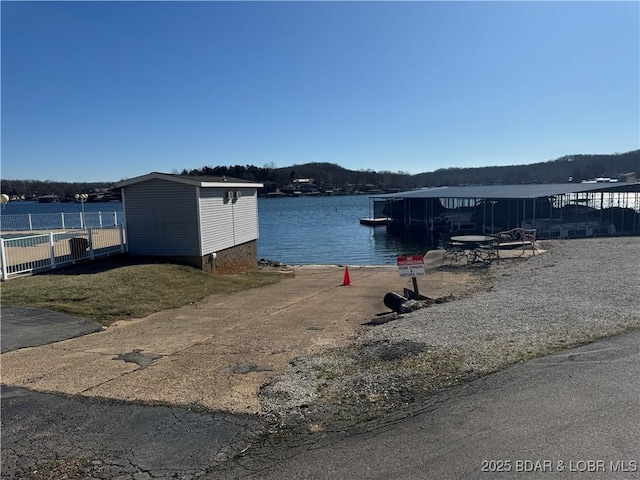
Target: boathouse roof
[[196, 181], [513, 191]]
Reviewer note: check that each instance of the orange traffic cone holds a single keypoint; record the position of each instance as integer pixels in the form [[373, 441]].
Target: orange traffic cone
[[347, 280]]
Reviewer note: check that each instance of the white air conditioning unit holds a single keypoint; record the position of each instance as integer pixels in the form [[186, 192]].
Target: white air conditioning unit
[[238, 194], [230, 195]]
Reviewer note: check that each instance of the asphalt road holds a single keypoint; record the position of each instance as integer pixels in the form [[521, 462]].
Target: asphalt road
[[75, 437], [29, 327], [575, 414]]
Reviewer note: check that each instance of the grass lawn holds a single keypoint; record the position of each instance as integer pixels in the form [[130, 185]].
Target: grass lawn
[[122, 287]]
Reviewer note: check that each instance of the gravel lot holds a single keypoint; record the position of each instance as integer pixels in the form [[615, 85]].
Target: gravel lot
[[577, 292]]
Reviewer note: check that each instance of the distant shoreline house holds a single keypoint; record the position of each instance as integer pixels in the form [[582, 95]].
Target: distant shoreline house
[[207, 222]]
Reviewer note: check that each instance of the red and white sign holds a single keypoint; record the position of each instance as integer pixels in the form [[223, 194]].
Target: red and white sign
[[411, 266]]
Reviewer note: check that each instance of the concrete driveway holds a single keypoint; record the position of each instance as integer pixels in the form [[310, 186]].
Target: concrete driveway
[[218, 353]]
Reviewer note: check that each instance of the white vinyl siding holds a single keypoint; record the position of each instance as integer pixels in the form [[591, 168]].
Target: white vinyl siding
[[216, 218], [227, 222], [245, 217], [162, 219]]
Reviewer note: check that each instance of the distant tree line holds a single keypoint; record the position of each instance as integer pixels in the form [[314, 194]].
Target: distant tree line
[[36, 188], [574, 168], [329, 176]]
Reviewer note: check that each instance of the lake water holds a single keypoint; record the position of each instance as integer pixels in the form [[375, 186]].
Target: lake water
[[326, 230], [305, 230]]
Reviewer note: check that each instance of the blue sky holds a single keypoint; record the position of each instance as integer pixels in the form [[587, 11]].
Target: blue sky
[[102, 91]]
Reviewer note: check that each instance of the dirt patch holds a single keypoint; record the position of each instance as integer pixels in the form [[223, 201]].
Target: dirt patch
[[386, 350]]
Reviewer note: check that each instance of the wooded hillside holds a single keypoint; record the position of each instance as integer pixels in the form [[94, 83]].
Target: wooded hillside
[[329, 176], [574, 167]]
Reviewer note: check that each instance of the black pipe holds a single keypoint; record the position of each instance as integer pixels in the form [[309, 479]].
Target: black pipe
[[394, 301]]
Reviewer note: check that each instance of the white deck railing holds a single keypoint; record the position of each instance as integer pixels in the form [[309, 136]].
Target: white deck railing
[[61, 220], [30, 253]]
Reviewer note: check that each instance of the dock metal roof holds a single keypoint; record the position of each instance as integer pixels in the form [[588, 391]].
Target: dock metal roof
[[512, 191]]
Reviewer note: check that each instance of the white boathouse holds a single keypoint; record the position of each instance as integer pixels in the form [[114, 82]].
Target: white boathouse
[[208, 222]]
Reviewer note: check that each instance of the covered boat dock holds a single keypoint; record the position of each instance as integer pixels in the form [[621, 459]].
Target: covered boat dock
[[567, 210]]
